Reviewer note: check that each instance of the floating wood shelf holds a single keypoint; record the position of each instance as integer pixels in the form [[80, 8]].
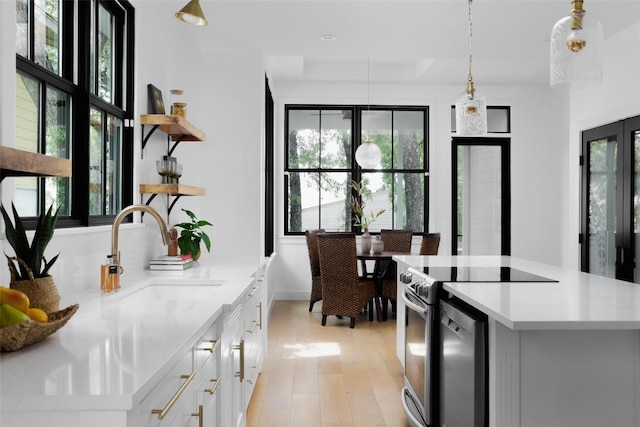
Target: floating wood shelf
[[171, 189], [16, 162], [177, 127], [176, 190]]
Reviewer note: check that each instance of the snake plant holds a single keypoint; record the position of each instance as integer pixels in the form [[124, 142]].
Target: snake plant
[[31, 253]]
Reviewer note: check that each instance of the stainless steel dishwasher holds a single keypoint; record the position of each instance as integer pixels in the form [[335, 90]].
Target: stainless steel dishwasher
[[463, 366]]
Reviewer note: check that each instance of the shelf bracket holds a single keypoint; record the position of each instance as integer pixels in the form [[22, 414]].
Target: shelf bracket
[[153, 196], [146, 138], [175, 144], [173, 203]]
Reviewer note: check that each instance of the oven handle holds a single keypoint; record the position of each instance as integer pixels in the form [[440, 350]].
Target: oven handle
[[413, 306], [413, 421]]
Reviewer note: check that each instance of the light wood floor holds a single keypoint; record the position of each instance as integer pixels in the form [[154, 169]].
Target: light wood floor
[[327, 376]]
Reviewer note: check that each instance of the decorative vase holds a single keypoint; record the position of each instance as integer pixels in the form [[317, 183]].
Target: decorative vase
[[377, 246], [365, 242]]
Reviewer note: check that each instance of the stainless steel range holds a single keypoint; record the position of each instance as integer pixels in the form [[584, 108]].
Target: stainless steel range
[[445, 362], [420, 297]]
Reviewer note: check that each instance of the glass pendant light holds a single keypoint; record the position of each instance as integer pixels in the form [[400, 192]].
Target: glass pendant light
[[577, 43], [368, 154], [471, 105]]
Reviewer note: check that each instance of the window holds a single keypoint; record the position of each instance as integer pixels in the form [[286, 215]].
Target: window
[[74, 94], [320, 165]]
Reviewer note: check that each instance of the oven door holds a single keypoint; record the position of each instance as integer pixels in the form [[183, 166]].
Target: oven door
[[418, 360]]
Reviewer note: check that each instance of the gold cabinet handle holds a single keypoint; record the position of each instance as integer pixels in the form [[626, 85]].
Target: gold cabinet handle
[[199, 414], [253, 291], [240, 347], [163, 412], [215, 345], [253, 328], [260, 314], [213, 389]]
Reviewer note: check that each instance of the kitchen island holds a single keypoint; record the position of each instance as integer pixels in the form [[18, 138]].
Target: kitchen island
[[163, 350], [561, 354]]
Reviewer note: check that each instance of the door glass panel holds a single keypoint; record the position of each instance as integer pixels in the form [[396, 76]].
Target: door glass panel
[[479, 193], [602, 206], [636, 199]]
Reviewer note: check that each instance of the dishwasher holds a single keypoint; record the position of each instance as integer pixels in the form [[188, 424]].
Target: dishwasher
[[463, 365]]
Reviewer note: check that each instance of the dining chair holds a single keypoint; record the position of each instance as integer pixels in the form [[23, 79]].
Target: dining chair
[[344, 293], [314, 261], [430, 244], [395, 241]]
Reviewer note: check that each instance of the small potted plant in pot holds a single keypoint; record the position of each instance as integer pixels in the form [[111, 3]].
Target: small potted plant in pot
[[192, 235], [29, 268]]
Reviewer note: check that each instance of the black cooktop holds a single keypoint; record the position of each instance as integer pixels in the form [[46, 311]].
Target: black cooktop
[[482, 274]]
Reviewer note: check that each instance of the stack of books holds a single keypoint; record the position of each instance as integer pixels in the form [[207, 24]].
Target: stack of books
[[166, 262]]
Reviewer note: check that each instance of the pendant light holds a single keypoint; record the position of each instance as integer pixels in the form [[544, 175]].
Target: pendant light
[[368, 154], [192, 14], [577, 43], [471, 105]]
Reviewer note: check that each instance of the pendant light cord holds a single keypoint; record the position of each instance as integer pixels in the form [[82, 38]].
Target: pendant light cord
[[368, 97], [470, 38]]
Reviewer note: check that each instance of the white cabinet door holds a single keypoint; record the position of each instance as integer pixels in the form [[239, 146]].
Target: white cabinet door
[[233, 368]]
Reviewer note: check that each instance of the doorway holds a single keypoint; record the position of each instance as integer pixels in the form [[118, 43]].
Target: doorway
[[481, 199], [610, 199]]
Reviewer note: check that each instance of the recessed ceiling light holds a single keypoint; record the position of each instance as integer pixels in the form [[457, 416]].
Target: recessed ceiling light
[[327, 37]]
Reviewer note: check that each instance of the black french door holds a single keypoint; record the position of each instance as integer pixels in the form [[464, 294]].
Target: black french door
[[481, 196], [610, 199]]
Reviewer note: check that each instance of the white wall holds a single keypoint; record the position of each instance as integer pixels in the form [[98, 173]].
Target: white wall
[[224, 92], [536, 188]]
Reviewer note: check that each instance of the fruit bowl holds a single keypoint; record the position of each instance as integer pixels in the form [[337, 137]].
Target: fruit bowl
[[29, 332]]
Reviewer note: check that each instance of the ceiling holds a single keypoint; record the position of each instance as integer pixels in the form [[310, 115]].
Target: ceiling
[[418, 41]]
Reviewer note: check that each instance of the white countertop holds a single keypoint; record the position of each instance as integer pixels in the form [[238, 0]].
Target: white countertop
[[576, 301], [106, 355]]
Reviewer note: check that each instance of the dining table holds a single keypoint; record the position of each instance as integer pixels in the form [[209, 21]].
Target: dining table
[[382, 261]]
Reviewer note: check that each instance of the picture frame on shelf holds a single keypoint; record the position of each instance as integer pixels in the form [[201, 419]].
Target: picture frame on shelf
[[156, 104]]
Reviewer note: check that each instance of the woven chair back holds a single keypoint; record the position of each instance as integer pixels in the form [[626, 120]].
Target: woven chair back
[[396, 240], [430, 244], [312, 247]]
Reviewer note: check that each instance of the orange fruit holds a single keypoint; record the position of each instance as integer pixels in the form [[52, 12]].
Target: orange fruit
[[37, 315]]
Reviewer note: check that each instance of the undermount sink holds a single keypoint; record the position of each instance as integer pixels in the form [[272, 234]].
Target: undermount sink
[[172, 292]]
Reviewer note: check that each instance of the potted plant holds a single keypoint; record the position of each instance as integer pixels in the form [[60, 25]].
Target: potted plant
[[363, 220], [31, 275], [192, 235]]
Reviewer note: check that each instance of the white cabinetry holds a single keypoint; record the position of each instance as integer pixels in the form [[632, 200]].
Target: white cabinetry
[[187, 394], [245, 344], [141, 367]]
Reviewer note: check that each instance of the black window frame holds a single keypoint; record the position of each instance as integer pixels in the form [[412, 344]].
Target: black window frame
[[354, 169], [75, 80]]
